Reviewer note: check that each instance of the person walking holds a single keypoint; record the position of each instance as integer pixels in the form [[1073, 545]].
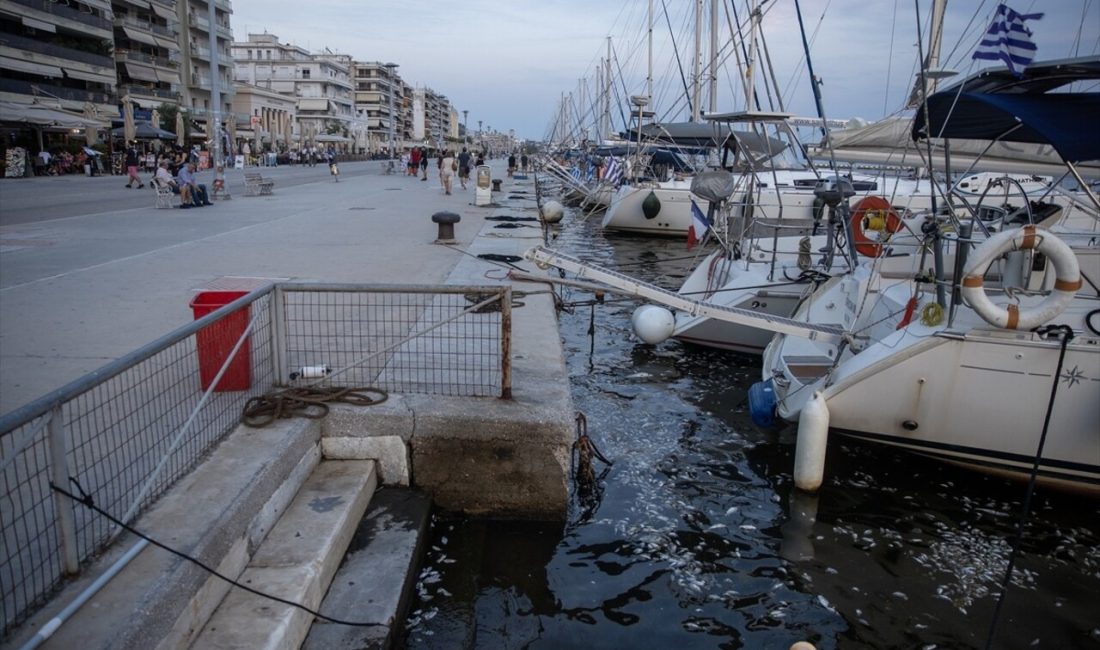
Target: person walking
[[523, 163], [447, 168], [464, 167], [414, 162], [133, 159], [330, 158], [511, 163], [424, 163]]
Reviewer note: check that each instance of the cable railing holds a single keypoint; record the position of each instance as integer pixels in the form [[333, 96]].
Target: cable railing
[[131, 429]]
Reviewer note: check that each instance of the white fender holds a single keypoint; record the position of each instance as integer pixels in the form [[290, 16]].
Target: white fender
[[1066, 269], [809, 451]]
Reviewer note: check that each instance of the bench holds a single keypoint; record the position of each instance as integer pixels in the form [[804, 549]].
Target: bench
[[166, 198], [256, 185]]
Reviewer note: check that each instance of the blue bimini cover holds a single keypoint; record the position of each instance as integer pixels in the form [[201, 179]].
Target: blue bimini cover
[[1069, 122]]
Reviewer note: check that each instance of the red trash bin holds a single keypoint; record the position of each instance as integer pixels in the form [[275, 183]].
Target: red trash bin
[[216, 341]]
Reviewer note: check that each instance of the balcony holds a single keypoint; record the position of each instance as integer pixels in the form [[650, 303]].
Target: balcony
[[67, 12], [141, 57], [49, 49], [160, 30], [139, 90], [19, 87]]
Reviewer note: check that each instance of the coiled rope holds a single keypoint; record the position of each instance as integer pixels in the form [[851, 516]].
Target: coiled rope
[[308, 402]]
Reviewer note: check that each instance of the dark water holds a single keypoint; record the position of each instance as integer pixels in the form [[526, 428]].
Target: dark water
[[692, 542]]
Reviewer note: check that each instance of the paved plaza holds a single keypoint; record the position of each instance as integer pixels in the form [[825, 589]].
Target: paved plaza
[[90, 270]]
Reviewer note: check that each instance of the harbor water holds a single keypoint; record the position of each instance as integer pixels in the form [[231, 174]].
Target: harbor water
[[696, 538]]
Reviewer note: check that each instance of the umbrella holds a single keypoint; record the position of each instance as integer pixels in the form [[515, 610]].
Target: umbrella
[[245, 149], [89, 131], [127, 119], [231, 126], [155, 119], [143, 131], [180, 133], [288, 130]]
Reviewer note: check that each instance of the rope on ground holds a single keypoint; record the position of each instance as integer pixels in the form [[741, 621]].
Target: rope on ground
[[88, 502], [308, 402]]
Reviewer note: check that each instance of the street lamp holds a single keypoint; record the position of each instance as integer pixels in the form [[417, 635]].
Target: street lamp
[[392, 67], [465, 130]]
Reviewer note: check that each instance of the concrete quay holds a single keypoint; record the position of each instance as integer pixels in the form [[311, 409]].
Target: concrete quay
[[79, 289]]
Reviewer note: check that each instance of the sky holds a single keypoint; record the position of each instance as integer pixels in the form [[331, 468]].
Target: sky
[[511, 63]]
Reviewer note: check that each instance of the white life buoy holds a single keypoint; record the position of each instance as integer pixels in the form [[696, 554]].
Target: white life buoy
[[1066, 269]]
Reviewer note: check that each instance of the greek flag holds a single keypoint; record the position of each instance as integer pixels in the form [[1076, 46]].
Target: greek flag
[[614, 172], [1008, 39], [576, 174], [590, 175]]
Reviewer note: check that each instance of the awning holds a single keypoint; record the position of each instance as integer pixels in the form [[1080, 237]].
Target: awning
[[168, 76], [312, 104], [30, 67], [39, 25], [166, 42], [164, 12], [45, 116], [103, 5], [137, 71], [83, 75], [144, 4], [139, 36]]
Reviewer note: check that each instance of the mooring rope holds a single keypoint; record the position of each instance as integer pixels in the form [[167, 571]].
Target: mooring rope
[[307, 402]]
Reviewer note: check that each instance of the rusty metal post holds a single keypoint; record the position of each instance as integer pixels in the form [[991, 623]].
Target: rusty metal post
[[506, 343]]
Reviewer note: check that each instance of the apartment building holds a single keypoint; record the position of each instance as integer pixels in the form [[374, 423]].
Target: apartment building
[[200, 43], [58, 54], [380, 101], [147, 52]]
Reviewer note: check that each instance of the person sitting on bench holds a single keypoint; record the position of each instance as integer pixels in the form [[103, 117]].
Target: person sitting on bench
[[196, 191]]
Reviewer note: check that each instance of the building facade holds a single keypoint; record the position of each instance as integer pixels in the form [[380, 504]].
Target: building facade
[[200, 44], [147, 52]]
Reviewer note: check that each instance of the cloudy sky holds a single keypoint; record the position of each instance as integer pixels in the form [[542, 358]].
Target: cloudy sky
[[509, 63]]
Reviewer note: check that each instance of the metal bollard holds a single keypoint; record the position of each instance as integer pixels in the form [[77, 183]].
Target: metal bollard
[[496, 184], [446, 221]]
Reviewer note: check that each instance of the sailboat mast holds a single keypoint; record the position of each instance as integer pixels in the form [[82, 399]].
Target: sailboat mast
[[649, 69], [696, 61], [932, 62], [607, 90], [713, 66], [750, 62]]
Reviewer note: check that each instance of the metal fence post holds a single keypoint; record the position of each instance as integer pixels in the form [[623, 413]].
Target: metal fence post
[[506, 343], [59, 476], [278, 336]]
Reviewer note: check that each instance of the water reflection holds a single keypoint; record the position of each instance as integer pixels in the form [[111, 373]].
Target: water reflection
[[698, 539]]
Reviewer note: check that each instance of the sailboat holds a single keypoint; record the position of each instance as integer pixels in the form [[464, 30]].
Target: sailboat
[[1011, 358]]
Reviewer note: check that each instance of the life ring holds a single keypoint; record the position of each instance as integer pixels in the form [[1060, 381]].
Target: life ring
[[873, 213], [1066, 269]]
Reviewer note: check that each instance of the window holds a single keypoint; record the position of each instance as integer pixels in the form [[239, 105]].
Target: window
[[305, 73]]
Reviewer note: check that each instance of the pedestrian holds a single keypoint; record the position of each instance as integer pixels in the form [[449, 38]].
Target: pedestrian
[[523, 163], [447, 168], [424, 163], [480, 159], [464, 167], [414, 162], [511, 164], [133, 159], [330, 158]]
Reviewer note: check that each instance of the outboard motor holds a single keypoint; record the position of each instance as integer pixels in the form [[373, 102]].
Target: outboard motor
[[835, 192]]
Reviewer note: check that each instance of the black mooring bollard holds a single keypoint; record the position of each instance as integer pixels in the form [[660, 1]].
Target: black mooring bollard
[[446, 221], [496, 184]]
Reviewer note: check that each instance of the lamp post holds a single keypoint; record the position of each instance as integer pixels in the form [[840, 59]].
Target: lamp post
[[465, 130], [392, 68]]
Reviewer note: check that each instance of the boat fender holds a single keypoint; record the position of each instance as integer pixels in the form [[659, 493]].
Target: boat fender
[[873, 213], [653, 324], [1066, 269], [651, 206], [762, 404], [809, 452]]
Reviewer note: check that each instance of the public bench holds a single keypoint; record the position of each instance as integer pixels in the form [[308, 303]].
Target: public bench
[[256, 185]]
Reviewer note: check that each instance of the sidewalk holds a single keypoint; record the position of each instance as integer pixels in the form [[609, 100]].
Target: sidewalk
[[89, 270]]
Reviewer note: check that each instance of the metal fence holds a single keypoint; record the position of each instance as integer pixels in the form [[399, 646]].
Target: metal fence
[[131, 429]]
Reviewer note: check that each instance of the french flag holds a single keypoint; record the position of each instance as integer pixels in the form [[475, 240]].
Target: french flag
[[699, 225]]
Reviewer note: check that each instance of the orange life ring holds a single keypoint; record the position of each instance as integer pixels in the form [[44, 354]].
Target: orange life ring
[[873, 213]]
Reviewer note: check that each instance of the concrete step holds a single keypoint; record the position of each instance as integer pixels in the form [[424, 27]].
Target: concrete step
[[296, 561], [378, 574]]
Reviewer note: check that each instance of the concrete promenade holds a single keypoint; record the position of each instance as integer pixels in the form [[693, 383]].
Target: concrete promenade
[[90, 270]]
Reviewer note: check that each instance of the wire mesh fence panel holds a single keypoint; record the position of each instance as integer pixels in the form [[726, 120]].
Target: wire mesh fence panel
[[401, 341], [119, 435], [130, 430]]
